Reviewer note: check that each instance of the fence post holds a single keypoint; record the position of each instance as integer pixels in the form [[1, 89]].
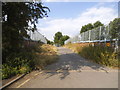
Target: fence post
[[84, 36], [80, 37], [105, 35], [89, 34], [100, 33], [108, 30]]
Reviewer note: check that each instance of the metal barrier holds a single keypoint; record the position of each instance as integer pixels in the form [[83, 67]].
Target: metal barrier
[[36, 36], [98, 34]]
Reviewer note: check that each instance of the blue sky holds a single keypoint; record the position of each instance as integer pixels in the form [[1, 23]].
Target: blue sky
[[68, 17], [67, 9], [72, 9]]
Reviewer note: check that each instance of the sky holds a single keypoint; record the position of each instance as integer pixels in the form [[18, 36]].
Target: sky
[[69, 17]]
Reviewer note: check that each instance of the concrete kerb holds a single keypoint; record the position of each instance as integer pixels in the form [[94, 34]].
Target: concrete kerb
[[14, 80]]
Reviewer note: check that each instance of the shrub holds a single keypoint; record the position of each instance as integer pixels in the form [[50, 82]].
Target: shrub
[[100, 54], [24, 69], [8, 71], [29, 58], [17, 63]]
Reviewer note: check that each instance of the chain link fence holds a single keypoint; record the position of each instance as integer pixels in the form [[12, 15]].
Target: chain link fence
[[100, 34], [36, 36]]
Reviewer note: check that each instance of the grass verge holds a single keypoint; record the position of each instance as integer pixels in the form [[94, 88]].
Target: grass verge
[[47, 56], [99, 54]]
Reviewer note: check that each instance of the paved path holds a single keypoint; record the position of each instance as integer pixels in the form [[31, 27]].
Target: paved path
[[71, 71]]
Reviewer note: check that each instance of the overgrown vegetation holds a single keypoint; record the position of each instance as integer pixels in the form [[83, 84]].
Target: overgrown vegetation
[[50, 42], [99, 54], [76, 47], [47, 56], [17, 19], [18, 63], [36, 56]]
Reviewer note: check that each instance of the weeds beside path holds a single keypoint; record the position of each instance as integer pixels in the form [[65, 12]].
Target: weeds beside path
[[28, 59], [47, 56], [99, 54], [71, 71]]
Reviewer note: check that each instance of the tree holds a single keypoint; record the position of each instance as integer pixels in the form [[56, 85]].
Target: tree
[[18, 18], [60, 39], [66, 37], [115, 28], [57, 37], [97, 24], [87, 27], [50, 42], [63, 39], [83, 29]]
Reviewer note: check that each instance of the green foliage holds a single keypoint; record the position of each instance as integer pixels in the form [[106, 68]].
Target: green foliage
[[21, 62], [16, 16], [101, 55], [115, 28], [89, 26], [28, 59], [60, 39], [24, 69], [63, 39], [86, 27], [97, 24], [8, 71], [83, 29], [50, 42], [57, 37]]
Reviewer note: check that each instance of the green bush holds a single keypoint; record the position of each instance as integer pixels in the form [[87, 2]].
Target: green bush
[[8, 71], [24, 69], [26, 60], [101, 55], [21, 58], [18, 63]]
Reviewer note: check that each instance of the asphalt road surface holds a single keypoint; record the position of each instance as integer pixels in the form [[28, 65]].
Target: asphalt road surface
[[71, 71]]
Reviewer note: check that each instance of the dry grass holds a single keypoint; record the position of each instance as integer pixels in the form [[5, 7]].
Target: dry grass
[[48, 55], [99, 54], [76, 47]]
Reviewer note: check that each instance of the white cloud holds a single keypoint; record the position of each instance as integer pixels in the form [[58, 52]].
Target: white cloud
[[72, 26]]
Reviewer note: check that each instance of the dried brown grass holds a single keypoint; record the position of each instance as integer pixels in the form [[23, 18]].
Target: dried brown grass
[[47, 56]]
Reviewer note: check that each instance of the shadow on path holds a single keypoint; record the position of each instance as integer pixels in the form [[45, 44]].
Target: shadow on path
[[71, 62]]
